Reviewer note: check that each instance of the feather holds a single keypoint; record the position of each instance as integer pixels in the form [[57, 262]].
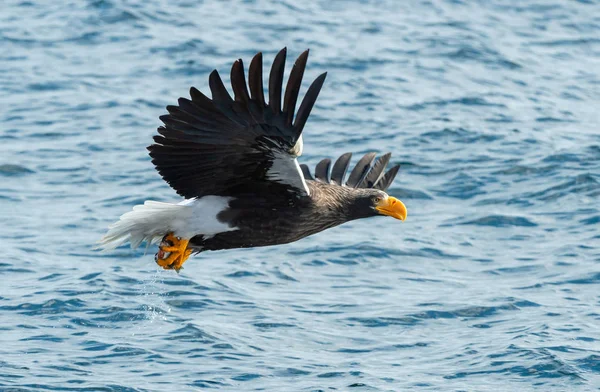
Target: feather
[[306, 172], [238, 82], [322, 170], [222, 99], [360, 170], [340, 168], [202, 101], [385, 181], [276, 81], [218, 90], [308, 102], [293, 87], [376, 172], [255, 80]]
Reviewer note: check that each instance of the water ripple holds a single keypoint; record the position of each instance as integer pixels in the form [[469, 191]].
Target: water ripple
[[490, 284]]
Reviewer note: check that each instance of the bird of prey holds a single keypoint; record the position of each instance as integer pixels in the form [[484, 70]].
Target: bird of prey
[[234, 161]]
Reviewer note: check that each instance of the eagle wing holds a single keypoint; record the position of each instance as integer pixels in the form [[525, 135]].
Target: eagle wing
[[367, 173], [229, 146]]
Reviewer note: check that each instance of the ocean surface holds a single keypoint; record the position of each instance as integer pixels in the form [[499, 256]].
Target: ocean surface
[[492, 284]]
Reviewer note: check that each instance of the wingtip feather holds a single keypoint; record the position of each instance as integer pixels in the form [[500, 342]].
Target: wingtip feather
[[276, 81], [255, 79], [387, 179], [361, 169], [308, 102]]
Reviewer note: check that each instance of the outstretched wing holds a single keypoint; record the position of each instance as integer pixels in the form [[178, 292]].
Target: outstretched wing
[[365, 174], [226, 146]]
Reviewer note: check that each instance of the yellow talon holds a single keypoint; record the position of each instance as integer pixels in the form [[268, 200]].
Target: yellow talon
[[169, 248], [179, 262], [173, 252]]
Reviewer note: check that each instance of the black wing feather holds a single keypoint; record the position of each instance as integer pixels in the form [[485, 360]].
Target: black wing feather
[[385, 181], [308, 102], [220, 95], [276, 81], [227, 146], [360, 170], [255, 80], [306, 172], [322, 170], [363, 175], [238, 82], [376, 172], [221, 98], [293, 87], [340, 168]]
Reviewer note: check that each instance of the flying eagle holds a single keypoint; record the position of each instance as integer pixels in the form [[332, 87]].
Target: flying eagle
[[234, 160]]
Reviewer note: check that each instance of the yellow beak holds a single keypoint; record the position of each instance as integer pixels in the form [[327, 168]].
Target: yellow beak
[[392, 207]]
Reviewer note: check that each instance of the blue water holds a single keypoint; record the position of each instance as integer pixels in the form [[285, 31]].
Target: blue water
[[492, 108]]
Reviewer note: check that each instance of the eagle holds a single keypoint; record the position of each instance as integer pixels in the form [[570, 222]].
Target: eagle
[[234, 160]]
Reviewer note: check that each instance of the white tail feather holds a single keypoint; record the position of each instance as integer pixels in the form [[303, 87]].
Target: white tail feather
[[152, 220], [148, 222]]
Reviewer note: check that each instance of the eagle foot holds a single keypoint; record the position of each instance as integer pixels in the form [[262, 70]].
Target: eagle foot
[[172, 252]]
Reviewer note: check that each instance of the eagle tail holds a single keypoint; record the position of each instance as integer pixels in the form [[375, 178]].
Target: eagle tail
[[146, 222]]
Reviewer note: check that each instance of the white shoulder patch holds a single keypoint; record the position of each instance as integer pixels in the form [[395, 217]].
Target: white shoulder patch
[[286, 170], [201, 217]]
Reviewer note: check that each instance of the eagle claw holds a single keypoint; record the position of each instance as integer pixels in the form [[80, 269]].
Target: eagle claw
[[172, 252]]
